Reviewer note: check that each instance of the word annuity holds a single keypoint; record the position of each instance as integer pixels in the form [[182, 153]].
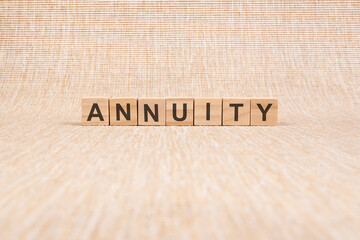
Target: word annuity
[[180, 111]]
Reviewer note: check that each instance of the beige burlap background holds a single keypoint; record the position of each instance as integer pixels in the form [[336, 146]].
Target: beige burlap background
[[60, 180]]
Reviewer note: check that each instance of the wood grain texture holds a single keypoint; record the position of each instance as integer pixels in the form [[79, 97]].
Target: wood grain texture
[[61, 180]]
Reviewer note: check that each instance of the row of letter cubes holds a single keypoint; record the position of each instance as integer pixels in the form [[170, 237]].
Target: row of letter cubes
[[180, 111]]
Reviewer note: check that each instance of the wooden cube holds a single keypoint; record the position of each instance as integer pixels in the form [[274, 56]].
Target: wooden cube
[[179, 111], [207, 111], [264, 112], [95, 111], [236, 111], [151, 111], [123, 111]]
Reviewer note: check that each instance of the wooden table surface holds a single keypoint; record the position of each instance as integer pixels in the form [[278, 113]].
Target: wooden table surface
[[298, 180]]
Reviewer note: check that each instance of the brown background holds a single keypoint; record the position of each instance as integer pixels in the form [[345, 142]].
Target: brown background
[[60, 180]]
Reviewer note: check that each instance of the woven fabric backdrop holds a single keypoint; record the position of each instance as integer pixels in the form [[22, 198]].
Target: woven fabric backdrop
[[298, 180]]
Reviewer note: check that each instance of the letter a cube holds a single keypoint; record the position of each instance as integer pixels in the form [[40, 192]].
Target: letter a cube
[[95, 111]]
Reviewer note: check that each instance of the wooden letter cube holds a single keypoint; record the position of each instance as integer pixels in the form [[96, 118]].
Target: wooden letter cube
[[264, 112], [95, 111], [179, 111], [151, 111], [207, 111], [123, 111], [236, 111]]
